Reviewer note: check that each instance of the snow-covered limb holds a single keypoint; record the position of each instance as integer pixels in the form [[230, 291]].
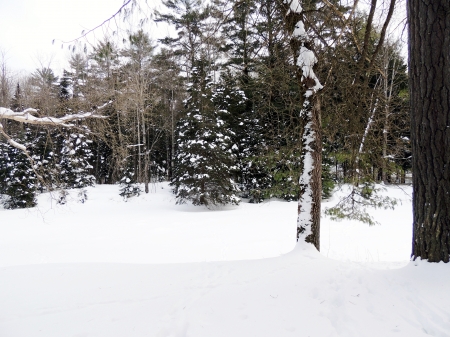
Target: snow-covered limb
[[27, 117], [11, 141], [306, 61], [21, 147]]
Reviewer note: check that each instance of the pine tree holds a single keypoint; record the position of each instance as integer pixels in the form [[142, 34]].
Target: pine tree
[[19, 181], [17, 100], [66, 86], [239, 30], [128, 186], [45, 159], [204, 160], [231, 101], [75, 164], [195, 37], [79, 73]]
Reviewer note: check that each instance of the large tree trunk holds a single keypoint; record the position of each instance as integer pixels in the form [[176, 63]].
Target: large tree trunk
[[429, 68]]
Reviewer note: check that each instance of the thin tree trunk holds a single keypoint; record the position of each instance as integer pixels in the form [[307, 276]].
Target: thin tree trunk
[[308, 221], [310, 183], [146, 154], [138, 129], [172, 154], [429, 70], [388, 96]]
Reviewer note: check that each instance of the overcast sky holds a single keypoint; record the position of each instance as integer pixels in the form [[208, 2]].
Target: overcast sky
[[27, 28]]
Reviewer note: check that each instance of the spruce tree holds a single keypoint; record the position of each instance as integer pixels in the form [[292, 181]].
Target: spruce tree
[[75, 164], [66, 86], [232, 103], [17, 100], [19, 181], [45, 159], [202, 173], [128, 186]]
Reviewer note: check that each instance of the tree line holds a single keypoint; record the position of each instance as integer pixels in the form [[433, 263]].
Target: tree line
[[217, 109]]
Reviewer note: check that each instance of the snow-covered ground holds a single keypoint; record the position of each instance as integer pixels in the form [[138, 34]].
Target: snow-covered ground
[[148, 267]]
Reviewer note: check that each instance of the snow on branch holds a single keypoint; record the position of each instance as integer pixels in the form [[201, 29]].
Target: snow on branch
[[11, 141], [306, 58], [294, 6], [27, 117], [21, 147]]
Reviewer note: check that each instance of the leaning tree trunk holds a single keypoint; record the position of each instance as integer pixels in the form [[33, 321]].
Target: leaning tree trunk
[[429, 76], [310, 183]]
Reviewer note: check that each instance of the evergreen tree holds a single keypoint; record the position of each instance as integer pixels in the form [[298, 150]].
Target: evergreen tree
[[79, 73], [275, 164], [128, 186], [106, 78], [239, 30], [17, 100], [43, 151], [204, 161], [102, 155], [19, 181], [195, 34], [66, 86], [231, 101], [75, 164]]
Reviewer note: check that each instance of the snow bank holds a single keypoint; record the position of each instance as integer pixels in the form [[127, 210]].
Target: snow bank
[[110, 268]]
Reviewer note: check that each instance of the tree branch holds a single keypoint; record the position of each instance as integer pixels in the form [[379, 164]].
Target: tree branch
[[27, 118], [83, 34]]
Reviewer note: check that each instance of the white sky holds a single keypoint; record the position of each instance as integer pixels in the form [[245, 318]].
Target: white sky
[[27, 28]]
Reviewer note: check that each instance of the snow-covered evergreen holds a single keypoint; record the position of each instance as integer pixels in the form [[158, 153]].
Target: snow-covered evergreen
[[66, 86], [45, 159], [18, 179], [75, 164], [128, 186], [204, 160]]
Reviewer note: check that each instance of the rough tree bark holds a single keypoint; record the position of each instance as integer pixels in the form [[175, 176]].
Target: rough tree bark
[[429, 76]]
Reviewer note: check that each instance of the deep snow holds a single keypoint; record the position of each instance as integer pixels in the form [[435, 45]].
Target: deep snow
[[148, 267]]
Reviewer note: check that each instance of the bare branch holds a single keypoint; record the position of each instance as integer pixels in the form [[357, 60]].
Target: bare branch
[[383, 32], [104, 22]]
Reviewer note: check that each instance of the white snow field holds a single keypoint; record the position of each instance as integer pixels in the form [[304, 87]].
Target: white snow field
[[148, 267]]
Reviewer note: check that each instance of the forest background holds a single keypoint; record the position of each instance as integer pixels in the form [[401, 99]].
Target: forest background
[[215, 108]]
